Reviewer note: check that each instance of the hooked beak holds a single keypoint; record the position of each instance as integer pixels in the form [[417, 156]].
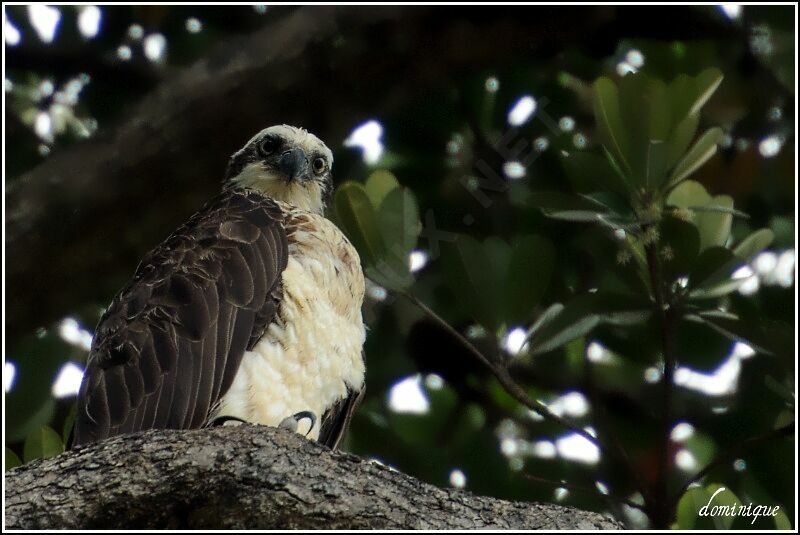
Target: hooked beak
[[294, 164]]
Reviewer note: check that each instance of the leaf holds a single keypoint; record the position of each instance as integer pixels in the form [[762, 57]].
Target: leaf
[[689, 507], [700, 153], [754, 244], [715, 226], [656, 164], [712, 216], [559, 205], [689, 193], [718, 208], [530, 269], [680, 93], [782, 521], [378, 186], [633, 110], [609, 121], [723, 497], [688, 94], [706, 83], [682, 136], [356, 215], [582, 314], [69, 422], [398, 220], [42, 444], [718, 290], [658, 112], [551, 312], [714, 265], [12, 461], [588, 172], [30, 403], [471, 278], [733, 330]]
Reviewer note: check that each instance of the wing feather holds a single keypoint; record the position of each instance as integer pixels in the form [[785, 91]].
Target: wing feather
[[336, 420], [169, 346]]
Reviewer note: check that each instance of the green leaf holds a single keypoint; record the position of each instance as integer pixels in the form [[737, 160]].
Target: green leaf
[[69, 422], [12, 461], [694, 499], [754, 244], [723, 497], [42, 444], [582, 314], [715, 226], [734, 330], [688, 94], [782, 521], [682, 136], [568, 207], [565, 327], [378, 186], [530, 269], [706, 83], [588, 172], [712, 215], [700, 153], [714, 265], [633, 110], [656, 164], [681, 96], [609, 121], [718, 208], [470, 275], [358, 219], [657, 109], [498, 251], [719, 289], [30, 402], [398, 221], [689, 193]]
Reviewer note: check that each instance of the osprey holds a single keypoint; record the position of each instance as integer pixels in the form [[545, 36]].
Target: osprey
[[249, 311]]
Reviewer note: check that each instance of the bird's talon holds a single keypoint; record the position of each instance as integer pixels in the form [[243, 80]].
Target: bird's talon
[[291, 422], [222, 420]]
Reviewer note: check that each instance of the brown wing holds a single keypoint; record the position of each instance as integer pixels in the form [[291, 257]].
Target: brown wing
[[336, 419], [169, 345]]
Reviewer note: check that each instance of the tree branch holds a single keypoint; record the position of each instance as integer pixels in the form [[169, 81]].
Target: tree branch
[[658, 507], [505, 379], [249, 477]]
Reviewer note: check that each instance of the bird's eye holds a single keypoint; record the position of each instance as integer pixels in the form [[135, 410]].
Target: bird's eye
[[320, 165], [268, 146]]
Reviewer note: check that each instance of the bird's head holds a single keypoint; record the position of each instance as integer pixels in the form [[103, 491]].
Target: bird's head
[[287, 164]]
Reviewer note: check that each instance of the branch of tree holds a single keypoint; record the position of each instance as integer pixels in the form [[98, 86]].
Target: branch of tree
[[240, 477], [505, 379]]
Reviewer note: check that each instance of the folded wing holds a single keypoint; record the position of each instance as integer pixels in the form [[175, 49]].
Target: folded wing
[[169, 346]]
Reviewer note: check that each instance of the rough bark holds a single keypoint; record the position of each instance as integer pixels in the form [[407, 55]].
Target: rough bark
[[77, 224], [249, 477]]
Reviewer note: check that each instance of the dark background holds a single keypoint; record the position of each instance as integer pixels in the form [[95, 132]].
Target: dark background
[[146, 143]]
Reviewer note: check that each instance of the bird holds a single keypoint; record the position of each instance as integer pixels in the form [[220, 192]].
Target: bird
[[249, 312]]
